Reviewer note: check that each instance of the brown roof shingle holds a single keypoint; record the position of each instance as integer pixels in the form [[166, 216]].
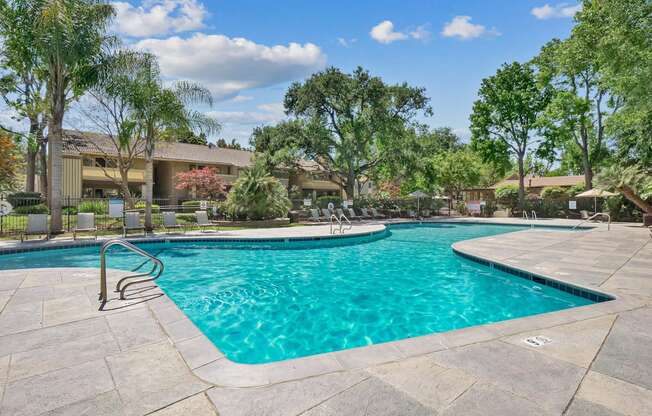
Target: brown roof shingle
[[76, 143]]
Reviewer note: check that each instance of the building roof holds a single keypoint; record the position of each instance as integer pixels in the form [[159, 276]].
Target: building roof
[[543, 181], [76, 143]]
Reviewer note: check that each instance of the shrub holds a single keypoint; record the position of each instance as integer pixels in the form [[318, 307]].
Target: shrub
[[23, 199], [576, 189], [324, 200], [155, 207], [553, 193], [96, 207], [507, 196], [191, 206], [32, 209], [69, 210], [256, 195]]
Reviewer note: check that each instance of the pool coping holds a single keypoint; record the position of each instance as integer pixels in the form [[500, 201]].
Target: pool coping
[[217, 369]]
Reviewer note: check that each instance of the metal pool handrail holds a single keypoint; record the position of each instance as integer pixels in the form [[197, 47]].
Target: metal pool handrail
[[157, 267], [594, 216], [340, 222]]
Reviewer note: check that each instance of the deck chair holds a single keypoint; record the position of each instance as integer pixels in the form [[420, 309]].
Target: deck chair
[[365, 214], [85, 224], [202, 220], [132, 222], [353, 215], [37, 224], [339, 212], [170, 222], [411, 214], [327, 213], [314, 216], [426, 213], [376, 214]]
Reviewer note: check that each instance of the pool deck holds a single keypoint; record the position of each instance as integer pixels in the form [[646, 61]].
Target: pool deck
[[59, 355]]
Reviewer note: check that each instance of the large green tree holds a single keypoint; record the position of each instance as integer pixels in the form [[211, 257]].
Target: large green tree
[[352, 123], [21, 83], [574, 121], [621, 31], [71, 38], [504, 117]]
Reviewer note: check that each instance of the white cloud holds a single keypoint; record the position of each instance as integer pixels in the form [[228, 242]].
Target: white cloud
[[384, 32], [241, 98], [347, 43], [228, 66], [158, 17], [421, 33], [240, 124], [461, 27], [561, 10]]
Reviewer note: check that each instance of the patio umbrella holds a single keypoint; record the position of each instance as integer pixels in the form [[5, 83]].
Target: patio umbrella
[[595, 193], [418, 195]]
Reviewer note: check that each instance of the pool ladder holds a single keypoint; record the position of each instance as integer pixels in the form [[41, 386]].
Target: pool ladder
[[340, 221], [594, 216], [533, 217], [121, 286]]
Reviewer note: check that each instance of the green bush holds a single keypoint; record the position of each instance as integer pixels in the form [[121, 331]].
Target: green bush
[[256, 195], [324, 200], [24, 199], [96, 207], [32, 209], [155, 207], [191, 206], [69, 210], [507, 196], [576, 189], [553, 193]]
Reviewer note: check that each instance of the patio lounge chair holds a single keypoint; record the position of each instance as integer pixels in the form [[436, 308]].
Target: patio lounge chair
[[314, 216], [376, 214], [411, 214], [425, 213], [202, 220], [327, 213], [85, 223], [37, 224], [170, 222], [365, 214], [353, 215], [132, 222], [339, 213]]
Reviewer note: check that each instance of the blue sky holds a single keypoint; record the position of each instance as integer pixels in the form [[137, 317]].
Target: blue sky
[[248, 51]]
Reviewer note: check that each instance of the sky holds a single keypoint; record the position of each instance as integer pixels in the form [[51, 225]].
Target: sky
[[247, 52]]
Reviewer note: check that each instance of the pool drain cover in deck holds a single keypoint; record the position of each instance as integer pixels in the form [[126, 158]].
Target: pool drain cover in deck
[[537, 341]]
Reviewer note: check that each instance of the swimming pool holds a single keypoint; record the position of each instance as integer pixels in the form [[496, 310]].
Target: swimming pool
[[295, 299]]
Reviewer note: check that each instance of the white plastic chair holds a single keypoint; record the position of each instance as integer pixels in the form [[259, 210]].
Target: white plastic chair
[[85, 223], [37, 224]]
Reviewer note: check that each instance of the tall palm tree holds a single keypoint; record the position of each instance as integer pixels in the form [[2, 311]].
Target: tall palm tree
[[71, 38], [160, 109]]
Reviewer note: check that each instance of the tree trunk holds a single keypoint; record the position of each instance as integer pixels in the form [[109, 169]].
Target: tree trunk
[[30, 169], [636, 200], [55, 168], [586, 163], [43, 163], [149, 183], [521, 182], [124, 185]]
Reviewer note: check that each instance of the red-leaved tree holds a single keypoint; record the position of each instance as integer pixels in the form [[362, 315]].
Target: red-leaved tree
[[205, 182]]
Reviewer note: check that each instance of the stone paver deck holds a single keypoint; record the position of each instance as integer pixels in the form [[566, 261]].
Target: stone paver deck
[[59, 355]]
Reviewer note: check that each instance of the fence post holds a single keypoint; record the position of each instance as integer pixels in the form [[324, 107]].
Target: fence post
[[68, 212]]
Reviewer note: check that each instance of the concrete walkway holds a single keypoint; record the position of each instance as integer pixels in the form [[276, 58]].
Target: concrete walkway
[[59, 355]]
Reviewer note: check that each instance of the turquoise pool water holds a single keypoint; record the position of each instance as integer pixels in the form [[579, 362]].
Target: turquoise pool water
[[299, 299]]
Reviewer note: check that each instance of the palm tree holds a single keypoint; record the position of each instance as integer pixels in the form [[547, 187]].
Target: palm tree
[[257, 195], [71, 36], [632, 181], [160, 109]]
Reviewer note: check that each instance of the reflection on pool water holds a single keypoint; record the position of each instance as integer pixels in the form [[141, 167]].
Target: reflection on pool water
[[302, 298]]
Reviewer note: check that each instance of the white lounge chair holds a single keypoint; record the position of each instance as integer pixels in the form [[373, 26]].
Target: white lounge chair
[[132, 223], [365, 214], [314, 216], [202, 220], [376, 214], [85, 224], [353, 215], [170, 222], [37, 224]]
